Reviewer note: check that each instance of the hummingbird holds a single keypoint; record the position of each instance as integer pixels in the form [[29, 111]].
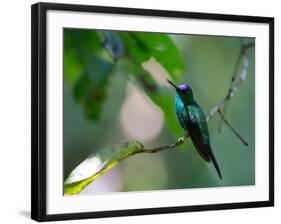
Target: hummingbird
[[193, 121]]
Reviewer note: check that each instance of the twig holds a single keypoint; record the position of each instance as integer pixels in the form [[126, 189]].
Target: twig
[[237, 79], [232, 91], [179, 142], [229, 125], [233, 78], [243, 61]]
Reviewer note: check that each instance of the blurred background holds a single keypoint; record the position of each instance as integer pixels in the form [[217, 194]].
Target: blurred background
[[115, 91]]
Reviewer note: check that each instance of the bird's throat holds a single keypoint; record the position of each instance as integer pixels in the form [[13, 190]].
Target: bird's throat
[[187, 99]]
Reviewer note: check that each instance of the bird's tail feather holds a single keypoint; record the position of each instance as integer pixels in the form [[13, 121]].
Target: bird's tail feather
[[214, 161]]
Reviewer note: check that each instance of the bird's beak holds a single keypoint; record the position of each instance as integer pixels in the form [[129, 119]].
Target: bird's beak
[[171, 83]]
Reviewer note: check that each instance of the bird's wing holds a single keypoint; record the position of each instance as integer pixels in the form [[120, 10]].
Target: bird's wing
[[197, 118], [201, 135]]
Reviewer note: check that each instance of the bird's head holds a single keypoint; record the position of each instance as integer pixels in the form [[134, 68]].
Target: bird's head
[[183, 90]]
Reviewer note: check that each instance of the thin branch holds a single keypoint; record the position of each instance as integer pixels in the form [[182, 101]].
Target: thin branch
[[179, 142], [233, 78], [237, 79], [234, 84], [232, 129]]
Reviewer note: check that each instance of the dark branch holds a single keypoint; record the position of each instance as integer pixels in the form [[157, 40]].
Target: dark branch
[[233, 78], [231, 128], [238, 77], [243, 61]]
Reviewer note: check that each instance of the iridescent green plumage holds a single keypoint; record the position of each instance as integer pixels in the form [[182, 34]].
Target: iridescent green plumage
[[193, 121]]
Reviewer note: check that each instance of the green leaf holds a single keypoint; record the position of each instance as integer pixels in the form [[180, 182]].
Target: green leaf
[[72, 67], [165, 52], [135, 48], [142, 46], [90, 90], [97, 164], [82, 40], [79, 44]]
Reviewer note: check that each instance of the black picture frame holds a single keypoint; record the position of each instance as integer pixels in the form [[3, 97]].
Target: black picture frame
[[39, 122]]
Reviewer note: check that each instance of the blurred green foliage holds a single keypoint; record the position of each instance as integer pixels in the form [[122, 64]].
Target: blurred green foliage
[[142, 46], [97, 67], [94, 54]]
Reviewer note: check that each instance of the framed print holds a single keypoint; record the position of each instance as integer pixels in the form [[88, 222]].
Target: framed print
[[138, 111]]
